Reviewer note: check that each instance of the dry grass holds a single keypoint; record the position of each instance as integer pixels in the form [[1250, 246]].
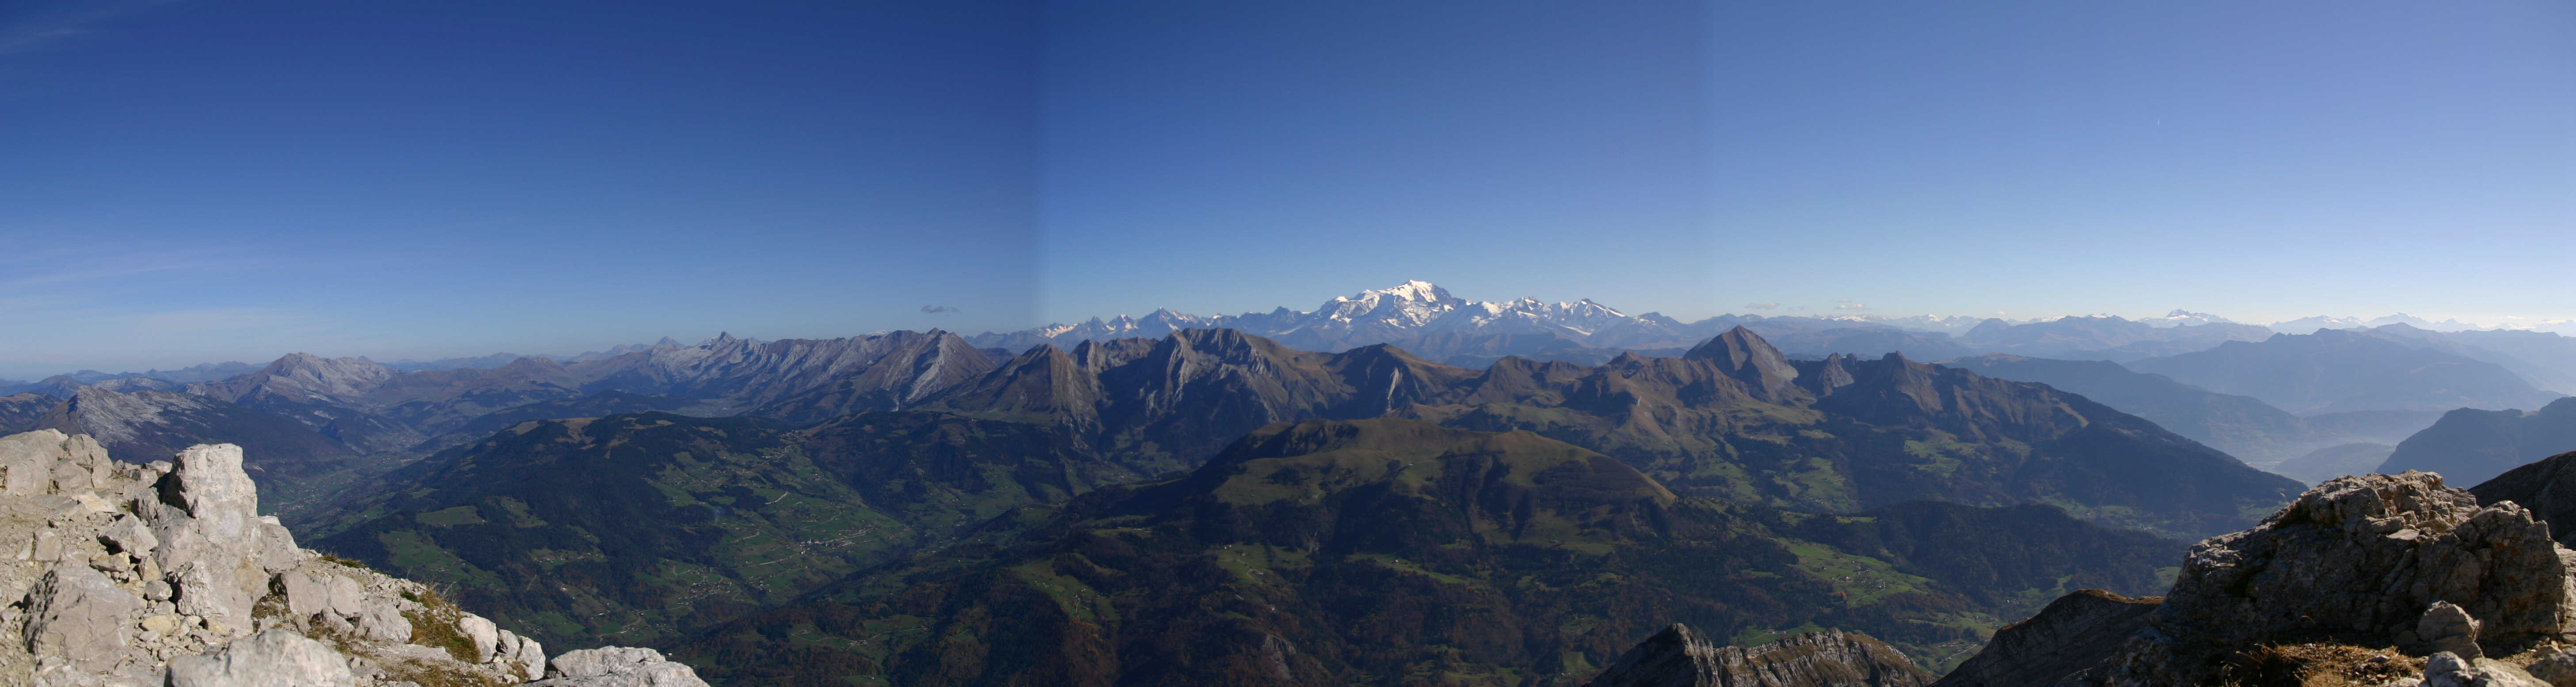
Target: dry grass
[[345, 561], [2318, 665], [435, 625]]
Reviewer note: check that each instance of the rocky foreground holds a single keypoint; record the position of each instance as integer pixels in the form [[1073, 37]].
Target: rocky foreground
[[2374, 580], [165, 574]]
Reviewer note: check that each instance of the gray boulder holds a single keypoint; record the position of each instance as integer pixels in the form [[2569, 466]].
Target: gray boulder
[[275, 658], [79, 615], [485, 636], [2446, 669], [617, 667], [2557, 669], [2449, 629]]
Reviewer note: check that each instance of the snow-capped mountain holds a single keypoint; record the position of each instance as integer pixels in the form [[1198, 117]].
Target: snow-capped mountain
[[2306, 325], [2180, 317], [1402, 312]]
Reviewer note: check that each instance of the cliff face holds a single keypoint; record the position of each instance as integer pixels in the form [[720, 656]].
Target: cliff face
[[123, 574], [1680, 657]]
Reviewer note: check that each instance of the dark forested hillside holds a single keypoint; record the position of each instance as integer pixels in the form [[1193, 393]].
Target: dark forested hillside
[[1392, 551]]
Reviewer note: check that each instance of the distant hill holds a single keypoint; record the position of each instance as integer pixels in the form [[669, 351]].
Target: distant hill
[[1351, 552], [19, 412], [151, 425], [2469, 446], [2336, 370], [2336, 461], [2546, 359], [2104, 337], [2243, 426]]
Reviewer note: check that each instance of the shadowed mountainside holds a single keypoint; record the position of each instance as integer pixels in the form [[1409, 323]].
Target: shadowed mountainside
[[2470, 445], [1341, 552]]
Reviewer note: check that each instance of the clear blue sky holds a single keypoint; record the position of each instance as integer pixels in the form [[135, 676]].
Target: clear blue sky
[[189, 181]]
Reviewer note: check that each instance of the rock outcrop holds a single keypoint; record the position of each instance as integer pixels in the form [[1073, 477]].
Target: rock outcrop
[[2547, 487], [617, 667], [121, 574], [2369, 561], [1681, 657]]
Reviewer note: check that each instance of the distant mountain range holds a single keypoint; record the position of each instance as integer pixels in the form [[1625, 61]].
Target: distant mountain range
[[2353, 370], [2243, 426], [1428, 321]]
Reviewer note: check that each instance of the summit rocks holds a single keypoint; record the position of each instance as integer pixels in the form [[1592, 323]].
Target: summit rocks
[[2371, 561], [120, 574]]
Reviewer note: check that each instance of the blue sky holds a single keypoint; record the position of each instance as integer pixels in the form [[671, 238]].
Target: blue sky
[[188, 181]]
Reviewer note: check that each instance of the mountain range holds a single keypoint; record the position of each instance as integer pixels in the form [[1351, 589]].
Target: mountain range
[[1431, 322], [2345, 370], [652, 527], [2243, 426]]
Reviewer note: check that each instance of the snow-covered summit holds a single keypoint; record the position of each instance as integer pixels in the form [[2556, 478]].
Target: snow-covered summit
[[1413, 308], [2180, 317]]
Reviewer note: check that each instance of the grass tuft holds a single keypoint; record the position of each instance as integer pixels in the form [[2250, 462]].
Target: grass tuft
[[435, 625]]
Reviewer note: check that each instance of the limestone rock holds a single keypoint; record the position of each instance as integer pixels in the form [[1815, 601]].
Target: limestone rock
[[2559, 669], [80, 615], [485, 636], [275, 658], [520, 656], [2370, 560], [1681, 657], [2357, 559], [119, 574], [2064, 644], [2446, 669], [2448, 628], [2547, 487], [617, 667]]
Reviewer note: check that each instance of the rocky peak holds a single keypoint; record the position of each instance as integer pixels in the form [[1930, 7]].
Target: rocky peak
[[1745, 356], [1682, 657], [1830, 374], [117, 574], [308, 375]]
